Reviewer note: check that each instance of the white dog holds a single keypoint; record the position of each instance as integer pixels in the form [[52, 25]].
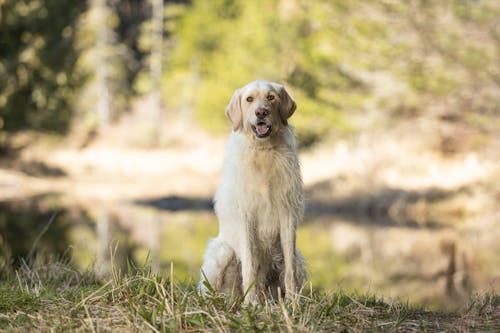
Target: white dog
[[259, 201]]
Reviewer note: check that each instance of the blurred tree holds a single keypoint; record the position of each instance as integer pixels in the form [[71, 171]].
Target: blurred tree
[[336, 57], [102, 43], [156, 66], [392, 59], [103, 61], [227, 43], [450, 63], [49, 56], [38, 81]]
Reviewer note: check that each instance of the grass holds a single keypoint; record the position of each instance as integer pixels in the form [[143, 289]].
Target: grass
[[54, 297]]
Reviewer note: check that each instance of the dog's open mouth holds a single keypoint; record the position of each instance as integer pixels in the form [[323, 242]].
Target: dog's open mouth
[[261, 130]]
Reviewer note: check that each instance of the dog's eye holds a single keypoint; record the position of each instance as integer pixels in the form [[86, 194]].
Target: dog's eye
[[270, 97], [250, 99]]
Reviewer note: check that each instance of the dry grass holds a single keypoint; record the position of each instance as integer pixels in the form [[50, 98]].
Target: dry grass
[[53, 297]]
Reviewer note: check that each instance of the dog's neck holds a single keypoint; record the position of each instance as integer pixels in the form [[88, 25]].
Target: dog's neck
[[276, 142]]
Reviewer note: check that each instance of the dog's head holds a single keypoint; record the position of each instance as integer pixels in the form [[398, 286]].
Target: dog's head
[[260, 109]]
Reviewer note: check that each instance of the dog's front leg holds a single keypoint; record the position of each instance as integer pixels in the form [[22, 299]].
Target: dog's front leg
[[287, 236], [249, 264]]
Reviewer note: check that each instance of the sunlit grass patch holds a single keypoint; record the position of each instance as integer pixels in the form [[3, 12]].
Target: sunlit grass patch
[[146, 301], [14, 298]]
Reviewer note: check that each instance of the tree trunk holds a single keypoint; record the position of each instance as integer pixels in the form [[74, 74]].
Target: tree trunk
[[156, 68], [102, 44]]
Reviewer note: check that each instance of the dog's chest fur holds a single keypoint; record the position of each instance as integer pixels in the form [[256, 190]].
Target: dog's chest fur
[[261, 171], [269, 179]]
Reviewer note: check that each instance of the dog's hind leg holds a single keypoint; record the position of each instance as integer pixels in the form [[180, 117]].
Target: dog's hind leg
[[219, 260], [231, 278]]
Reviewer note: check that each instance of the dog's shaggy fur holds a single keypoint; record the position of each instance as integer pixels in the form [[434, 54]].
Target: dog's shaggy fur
[[259, 201]]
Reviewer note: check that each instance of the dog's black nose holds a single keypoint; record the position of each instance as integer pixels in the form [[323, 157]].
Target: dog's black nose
[[261, 112]]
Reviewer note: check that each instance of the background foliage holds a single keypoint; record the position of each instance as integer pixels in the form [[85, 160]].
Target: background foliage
[[340, 59]]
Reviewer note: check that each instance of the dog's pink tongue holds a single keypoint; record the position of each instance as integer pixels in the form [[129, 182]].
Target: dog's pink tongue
[[261, 129]]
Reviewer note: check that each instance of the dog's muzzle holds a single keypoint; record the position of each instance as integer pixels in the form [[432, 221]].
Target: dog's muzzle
[[261, 130]]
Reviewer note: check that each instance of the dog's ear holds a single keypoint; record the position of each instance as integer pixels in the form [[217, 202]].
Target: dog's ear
[[234, 111], [287, 104]]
